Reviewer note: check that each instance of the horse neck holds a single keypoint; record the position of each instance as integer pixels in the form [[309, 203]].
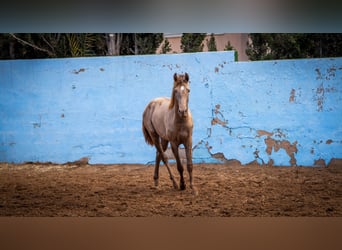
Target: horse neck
[[176, 118]]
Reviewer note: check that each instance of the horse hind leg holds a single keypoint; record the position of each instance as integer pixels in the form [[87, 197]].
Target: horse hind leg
[[156, 169], [160, 154]]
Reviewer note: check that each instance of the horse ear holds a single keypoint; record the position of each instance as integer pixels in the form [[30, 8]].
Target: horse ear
[[186, 77], [175, 77]]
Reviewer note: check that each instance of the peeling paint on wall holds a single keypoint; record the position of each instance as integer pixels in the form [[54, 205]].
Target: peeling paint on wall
[[275, 145], [253, 120]]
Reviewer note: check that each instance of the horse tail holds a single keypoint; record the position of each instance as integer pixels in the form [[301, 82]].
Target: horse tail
[[147, 117], [147, 136]]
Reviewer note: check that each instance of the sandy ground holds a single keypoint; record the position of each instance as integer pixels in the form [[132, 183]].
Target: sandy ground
[[128, 190]]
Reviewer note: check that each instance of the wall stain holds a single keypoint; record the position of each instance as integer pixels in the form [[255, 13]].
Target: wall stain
[[289, 148], [320, 163], [264, 132], [319, 97], [292, 95], [220, 156], [329, 141], [78, 71], [271, 144], [171, 66], [279, 133], [257, 157], [330, 73], [319, 74], [216, 120], [38, 124], [321, 90]]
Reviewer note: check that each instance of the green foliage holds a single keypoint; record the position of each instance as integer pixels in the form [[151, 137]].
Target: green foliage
[[81, 45], [149, 42], [212, 43], [140, 43], [30, 45], [192, 42], [55, 45], [270, 46], [229, 47], [166, 46]]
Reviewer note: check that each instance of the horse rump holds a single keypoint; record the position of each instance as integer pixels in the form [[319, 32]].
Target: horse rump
[[147, 118]]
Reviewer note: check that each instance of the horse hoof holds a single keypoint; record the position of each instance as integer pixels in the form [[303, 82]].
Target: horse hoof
[[182, 186]]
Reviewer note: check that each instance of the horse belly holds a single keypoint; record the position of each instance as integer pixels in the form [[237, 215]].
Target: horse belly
[[158, 118]]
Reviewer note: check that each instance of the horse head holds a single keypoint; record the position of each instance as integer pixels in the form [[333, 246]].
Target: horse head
[[180, 94]]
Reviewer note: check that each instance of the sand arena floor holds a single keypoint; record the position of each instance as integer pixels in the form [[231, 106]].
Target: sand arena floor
[[128, 190]]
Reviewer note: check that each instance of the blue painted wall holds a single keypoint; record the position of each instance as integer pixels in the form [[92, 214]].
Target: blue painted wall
[[285, 112]]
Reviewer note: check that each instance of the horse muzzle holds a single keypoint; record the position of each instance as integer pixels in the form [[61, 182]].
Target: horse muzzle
[[183, 112]]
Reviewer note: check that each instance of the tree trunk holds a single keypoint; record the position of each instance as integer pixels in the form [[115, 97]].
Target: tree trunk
[[11, 50], [136, 51], [114, 44]]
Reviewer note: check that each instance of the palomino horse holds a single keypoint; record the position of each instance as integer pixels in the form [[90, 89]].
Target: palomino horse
[[169, 120]]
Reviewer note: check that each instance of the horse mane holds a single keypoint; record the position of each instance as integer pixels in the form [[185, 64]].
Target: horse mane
[[178, 80]]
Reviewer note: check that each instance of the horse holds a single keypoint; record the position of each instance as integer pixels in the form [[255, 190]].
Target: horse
[[169, 120]]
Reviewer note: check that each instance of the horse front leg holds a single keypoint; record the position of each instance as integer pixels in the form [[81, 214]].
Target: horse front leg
[[174, 148], [188, 152]]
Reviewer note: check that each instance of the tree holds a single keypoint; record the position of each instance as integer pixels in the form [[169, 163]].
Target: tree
[[229, 47], [113, 41], [81, 45], [211, 44], [290, 46], [35, 45], [50, 45], [192, 42], [147, 43], [140, 43], [166, 47], [53, 45]]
